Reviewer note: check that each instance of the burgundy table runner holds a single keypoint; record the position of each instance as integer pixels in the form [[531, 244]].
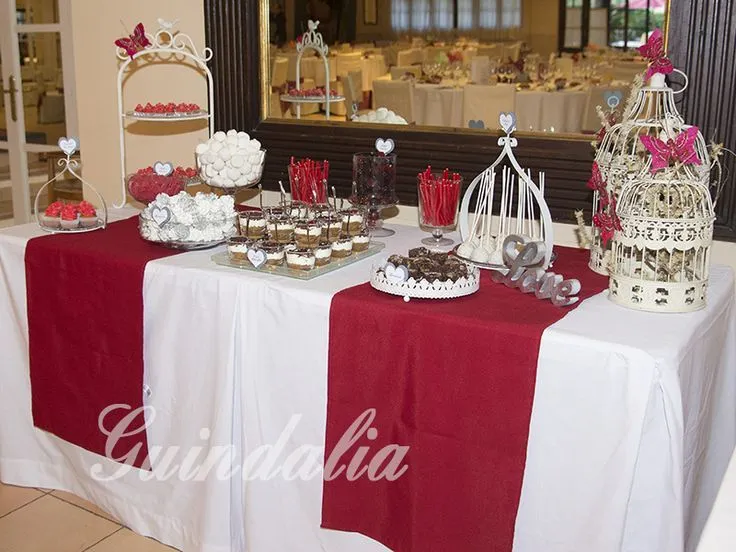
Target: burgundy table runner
[[453, 380], [85, 330]]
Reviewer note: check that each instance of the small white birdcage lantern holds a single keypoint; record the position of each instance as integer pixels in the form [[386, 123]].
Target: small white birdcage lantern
[[661, 248]]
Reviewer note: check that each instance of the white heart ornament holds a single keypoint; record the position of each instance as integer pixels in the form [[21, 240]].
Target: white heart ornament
[[508, 122], [396, 274], [163, 169], [68, 145], [312, 25], [384, 146], [257, 257], [161, 215]]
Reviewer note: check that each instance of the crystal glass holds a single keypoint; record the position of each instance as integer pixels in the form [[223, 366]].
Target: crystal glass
[[438, 210], [281, 229], [307, 233], [252, 224], [374, 187]]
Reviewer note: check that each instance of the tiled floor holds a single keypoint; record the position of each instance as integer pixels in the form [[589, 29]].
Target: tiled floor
[[37, 520]]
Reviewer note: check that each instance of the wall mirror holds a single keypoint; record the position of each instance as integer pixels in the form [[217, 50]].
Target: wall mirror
[[459, 63], [241, 34]]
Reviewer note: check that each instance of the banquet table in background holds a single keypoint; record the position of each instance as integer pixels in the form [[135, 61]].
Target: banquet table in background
[[451, 105], [632, 426]]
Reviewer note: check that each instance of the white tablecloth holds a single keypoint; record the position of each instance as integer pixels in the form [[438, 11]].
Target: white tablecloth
[[561, 111], [631, 429]]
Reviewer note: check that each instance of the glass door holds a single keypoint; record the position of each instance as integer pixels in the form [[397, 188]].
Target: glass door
[[38, 105]]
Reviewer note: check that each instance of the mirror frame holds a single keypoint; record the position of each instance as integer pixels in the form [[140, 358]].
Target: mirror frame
[[696, 42]]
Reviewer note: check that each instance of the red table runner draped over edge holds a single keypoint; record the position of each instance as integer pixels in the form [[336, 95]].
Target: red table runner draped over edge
[[85, 332], [455, 381]]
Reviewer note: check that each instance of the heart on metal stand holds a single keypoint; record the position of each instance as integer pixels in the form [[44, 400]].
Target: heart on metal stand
[[508, 122], [68, 145], [384, 146], [396, 274]]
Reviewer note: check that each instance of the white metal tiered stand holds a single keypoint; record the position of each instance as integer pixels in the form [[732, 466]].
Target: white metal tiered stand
[[312, 40], [525, 214], [167, 45]]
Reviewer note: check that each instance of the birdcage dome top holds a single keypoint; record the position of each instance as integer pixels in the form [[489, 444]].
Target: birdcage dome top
[[623, 153]]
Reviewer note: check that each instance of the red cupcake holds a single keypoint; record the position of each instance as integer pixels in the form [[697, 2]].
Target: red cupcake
[[87, 215], [51, 217], [69, 217]]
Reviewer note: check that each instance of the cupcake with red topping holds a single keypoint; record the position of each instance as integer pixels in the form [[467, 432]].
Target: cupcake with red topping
[[69, 217], [51, 216], [87, 215]]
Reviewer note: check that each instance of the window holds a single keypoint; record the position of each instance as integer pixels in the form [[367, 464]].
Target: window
[[618, 23], [629, 21], [444, 15]]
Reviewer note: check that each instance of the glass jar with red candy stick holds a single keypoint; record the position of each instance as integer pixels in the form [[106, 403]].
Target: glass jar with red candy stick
[[439, 199], [308, 181]]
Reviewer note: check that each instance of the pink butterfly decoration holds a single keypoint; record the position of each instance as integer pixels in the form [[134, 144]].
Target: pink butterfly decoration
[[135, 42], [607, 223], [596, 184], [681, 148], [653, 51]]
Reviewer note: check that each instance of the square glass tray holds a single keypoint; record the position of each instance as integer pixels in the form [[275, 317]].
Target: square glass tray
[[283, 270]]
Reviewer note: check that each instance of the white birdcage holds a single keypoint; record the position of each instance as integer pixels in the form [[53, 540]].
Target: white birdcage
[[622, 158], [661, 254], [518, 199]]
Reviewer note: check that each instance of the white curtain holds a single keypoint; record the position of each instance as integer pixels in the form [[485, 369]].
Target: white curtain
[[436, 15]]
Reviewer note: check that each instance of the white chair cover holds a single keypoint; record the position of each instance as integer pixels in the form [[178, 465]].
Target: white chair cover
[[492, 51], [279, 72], [480, 69], [347, 62], [397, 96], [483, 102], [353, 90], [410, 57], [513, 51], [436, 105], [565, 66], [398, 72], [433, 53]]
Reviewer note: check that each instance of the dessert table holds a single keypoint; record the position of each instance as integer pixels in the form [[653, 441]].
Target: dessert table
[[632, 424]]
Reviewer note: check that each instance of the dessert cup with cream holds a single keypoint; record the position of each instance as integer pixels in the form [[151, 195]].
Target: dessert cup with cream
[[300, 259], [252, 224], [323, 253]]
